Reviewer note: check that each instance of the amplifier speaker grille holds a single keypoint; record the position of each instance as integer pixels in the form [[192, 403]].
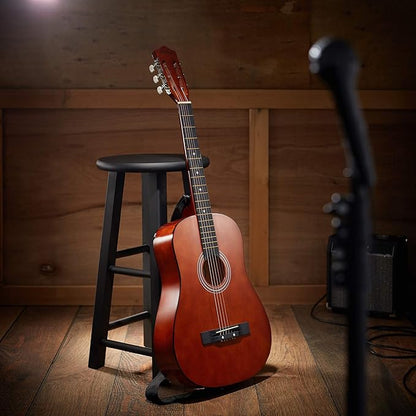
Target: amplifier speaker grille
[[388, 276]]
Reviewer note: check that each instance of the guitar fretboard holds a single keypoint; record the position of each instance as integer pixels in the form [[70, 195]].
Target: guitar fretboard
[[198, 182]]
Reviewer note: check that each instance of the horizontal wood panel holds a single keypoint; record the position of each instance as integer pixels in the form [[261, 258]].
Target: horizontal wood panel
[[55, 219], [382, 36], [201, 98], [306, 163], [233, 44], [54, 194], [90, 44]]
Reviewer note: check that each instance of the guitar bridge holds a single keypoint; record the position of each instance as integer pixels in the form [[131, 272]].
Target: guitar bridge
[[229, 333]]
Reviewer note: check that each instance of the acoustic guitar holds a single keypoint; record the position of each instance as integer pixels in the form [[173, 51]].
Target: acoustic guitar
[[211, 329]]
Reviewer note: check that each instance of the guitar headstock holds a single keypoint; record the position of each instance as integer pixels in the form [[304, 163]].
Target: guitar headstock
[[169, 74]]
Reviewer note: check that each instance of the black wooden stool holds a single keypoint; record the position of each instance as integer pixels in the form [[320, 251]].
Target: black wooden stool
[[153, 169]]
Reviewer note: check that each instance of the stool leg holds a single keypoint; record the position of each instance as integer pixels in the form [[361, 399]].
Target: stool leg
[[105, 277], [153, 216]]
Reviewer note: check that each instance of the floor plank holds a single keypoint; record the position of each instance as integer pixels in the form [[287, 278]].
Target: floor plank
[[26, 353], [328, 345], [8, 314], [71, 388], [398, 367], [128, 395], [294, 385], [44, 370], [133, 375]]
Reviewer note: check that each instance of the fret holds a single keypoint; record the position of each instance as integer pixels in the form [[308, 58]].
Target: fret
[[204, 216], [209, 235], [205, 223], [201, 218], [210, 240], [208, 246], [209, 232]]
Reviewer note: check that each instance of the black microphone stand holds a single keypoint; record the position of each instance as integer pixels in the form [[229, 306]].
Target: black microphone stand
[[336, 64]]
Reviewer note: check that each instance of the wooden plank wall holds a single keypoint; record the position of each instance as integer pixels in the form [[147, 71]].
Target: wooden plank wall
[[222, 43], [272, 169], [74, 86]]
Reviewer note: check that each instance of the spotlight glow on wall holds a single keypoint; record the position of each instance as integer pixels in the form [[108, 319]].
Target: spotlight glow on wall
[[43, 1]]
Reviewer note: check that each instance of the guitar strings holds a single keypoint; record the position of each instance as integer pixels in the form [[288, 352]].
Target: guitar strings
[[195, 163], [204, 215]]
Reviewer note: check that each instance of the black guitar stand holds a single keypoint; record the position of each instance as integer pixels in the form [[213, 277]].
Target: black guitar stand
[[337, 65]]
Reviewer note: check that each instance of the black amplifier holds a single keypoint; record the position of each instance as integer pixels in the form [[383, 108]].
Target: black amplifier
[[388, 277]]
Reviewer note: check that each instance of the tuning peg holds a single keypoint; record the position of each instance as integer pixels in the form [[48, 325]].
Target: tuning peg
[[152, 68], [155, 79], [159, 89]]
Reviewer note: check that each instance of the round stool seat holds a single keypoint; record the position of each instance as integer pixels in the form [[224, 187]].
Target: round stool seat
[[151, 162]]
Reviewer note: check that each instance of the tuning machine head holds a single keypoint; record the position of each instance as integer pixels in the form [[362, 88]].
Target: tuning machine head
[[159, 77]]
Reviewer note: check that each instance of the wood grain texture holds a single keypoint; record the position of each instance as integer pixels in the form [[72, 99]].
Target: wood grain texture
[[86, 391], [1, 196], [302, 376], [51, 219], [130, 382], [292, 379], [383, 37], [73, 45], [259, 196], [57, 215], [8, 315], [254, 44], [306, 162], [129, 294], [26, 353], [394, 196], [328, 346], [213, 98]]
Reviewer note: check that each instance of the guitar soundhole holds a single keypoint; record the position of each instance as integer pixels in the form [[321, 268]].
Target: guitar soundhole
[[214, 271], [214, 274]]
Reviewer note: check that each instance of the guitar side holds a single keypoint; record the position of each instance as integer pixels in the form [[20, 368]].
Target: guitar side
[[188, 309], [163, 333]]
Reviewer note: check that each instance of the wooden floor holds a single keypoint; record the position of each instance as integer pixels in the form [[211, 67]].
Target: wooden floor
[[44, 354]]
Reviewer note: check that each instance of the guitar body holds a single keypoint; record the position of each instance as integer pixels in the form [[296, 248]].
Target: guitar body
[[190, 305]]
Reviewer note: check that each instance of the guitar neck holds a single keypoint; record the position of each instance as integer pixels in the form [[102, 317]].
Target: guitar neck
[[197, 179]]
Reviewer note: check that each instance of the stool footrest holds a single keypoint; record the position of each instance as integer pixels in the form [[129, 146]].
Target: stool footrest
[[128, 320], [132, 251], [129, 272], [127, 347]]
